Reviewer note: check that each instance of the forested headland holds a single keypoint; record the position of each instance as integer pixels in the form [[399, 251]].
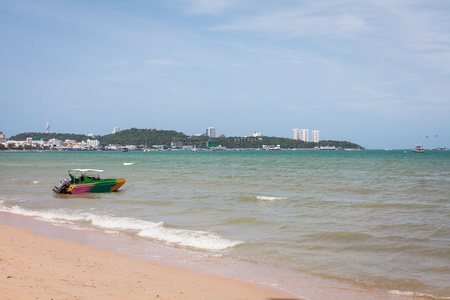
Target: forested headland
[[150, 137]]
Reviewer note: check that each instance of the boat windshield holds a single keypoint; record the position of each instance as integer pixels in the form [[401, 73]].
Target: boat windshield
[[80, 175]]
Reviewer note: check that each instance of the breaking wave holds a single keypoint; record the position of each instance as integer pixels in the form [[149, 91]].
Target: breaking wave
[[152, 230]]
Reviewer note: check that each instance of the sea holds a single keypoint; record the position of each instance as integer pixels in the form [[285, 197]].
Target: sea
[[369, 224]]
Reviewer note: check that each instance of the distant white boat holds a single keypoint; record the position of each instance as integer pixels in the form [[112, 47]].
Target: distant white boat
[[327, 148], [128, 164], [418, 149], [271, 148]]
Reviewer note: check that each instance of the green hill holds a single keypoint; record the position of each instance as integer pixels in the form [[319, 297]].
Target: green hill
[[148, 137], [151, 137]]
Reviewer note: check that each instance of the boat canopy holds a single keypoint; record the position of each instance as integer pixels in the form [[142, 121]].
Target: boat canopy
[[84, 171]]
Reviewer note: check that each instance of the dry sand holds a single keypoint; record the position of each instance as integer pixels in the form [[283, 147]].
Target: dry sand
[[37, 267]]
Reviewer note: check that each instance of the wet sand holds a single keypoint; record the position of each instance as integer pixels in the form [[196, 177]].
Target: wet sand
[[38, 267]]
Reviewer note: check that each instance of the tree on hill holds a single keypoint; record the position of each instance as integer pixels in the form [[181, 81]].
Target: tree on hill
[[251, 142], [148, 137]]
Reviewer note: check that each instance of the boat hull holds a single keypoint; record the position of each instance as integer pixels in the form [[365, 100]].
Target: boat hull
[[102, 186]]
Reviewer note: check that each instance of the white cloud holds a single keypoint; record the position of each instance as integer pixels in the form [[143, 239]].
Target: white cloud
[[296, 23], [393, 82]]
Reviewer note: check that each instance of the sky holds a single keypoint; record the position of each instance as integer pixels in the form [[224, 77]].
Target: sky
[[376, 73]]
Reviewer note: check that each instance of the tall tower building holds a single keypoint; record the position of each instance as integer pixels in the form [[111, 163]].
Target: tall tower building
[[295, 135], [211, 132], [304, 135], [315, 136], [47, 127]]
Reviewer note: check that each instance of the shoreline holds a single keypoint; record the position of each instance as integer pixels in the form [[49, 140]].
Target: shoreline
[[192, 276], [35, 265]]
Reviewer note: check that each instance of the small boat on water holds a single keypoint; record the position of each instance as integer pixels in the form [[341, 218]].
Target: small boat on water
[[418, 149], [87, 181], [327, 148]]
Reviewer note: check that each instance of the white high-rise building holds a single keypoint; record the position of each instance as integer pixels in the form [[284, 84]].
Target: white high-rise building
[[304, 135], [116, 129], [211, 132], [295, 134], [47, 127], [300, 134], [315, 136]]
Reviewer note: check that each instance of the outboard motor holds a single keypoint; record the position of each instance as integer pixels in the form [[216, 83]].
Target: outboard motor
[[62, 188]]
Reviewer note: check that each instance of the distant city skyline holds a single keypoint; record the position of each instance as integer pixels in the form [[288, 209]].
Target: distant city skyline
[[297, 134], [33, 140], [372, 72]]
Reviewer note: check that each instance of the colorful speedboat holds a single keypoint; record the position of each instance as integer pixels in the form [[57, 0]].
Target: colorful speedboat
[[87, 181]]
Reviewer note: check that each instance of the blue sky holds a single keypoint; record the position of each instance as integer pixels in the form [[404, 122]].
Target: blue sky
[[376, 73]]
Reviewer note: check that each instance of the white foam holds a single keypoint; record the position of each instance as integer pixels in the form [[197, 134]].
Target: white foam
[[189, 238], [109, 222], [147, 229], [400, 293], [414, 294], [56, 216], [268, 198]]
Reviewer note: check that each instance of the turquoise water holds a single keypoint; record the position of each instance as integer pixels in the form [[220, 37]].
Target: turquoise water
[[373, 219]]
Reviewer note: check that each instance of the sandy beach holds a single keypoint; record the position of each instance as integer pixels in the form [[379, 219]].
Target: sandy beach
[[37, 267]]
